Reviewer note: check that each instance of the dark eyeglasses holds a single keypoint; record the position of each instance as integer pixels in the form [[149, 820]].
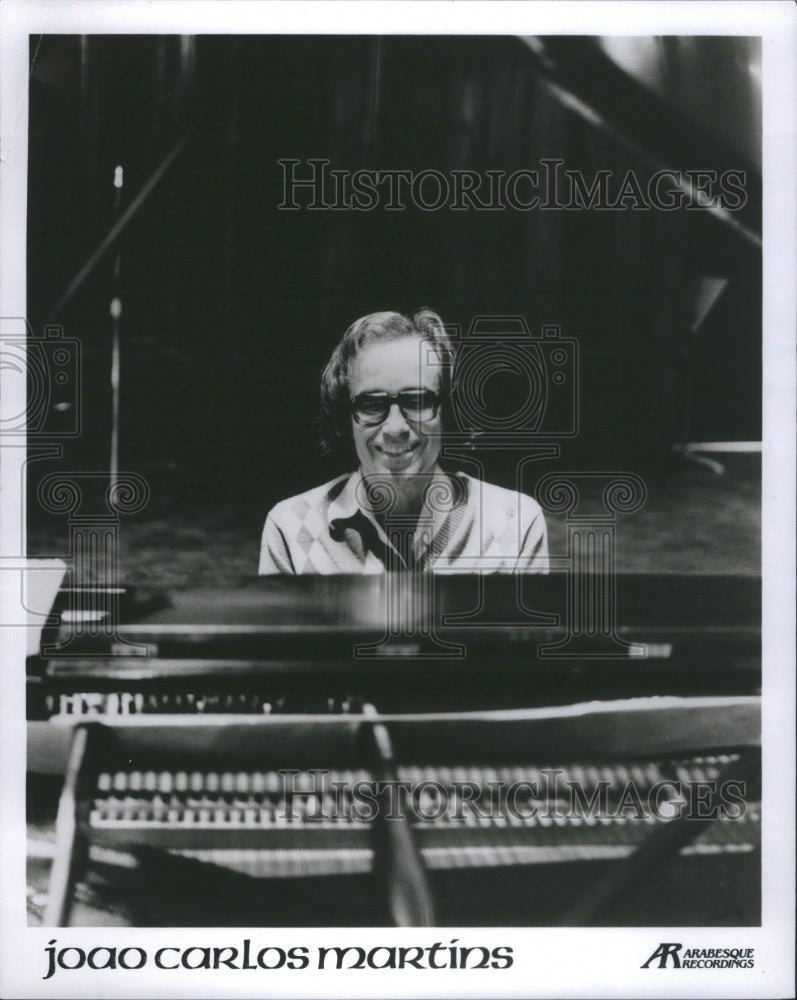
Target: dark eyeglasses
[[371, 408]]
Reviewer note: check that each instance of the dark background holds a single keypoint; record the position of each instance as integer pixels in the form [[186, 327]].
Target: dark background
[[231, 307]]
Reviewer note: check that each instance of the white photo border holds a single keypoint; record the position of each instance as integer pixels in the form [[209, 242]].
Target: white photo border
[[548, 961]]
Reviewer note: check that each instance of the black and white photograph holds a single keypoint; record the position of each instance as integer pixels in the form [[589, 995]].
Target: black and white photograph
[[398, 486]]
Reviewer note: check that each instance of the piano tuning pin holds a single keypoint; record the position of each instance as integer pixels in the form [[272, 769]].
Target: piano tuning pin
[[488, 774], [197, 782], [299, 808], [578, 775], [165, 783], [409, 773], [242, 783], [135, 781], [266, 708], [258, 784], [621, 775], [138, 701], [228, 783], [653, 774], [120, 781], [212, 783], [104, 782], [181, 782], [516, 775], [150, 781]]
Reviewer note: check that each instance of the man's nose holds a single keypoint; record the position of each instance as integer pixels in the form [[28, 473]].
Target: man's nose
[[395, 421]]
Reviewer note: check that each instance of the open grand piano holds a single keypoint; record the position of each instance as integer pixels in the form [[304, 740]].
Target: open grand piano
[[453, 751]]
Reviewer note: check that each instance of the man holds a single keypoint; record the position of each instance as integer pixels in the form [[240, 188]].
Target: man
[[387, 389]]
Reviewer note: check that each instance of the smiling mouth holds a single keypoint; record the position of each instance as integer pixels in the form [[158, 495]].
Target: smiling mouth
[[397, 452]]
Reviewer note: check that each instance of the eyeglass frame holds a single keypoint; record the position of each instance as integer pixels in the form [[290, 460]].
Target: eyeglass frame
[[390, 400]]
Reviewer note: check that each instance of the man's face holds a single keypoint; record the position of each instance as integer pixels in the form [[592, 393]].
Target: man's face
[[397, 445]]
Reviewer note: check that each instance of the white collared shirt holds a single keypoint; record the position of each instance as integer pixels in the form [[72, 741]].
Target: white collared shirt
[[465, 526]]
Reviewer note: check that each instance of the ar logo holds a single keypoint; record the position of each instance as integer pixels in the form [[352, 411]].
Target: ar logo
[[665, 951]]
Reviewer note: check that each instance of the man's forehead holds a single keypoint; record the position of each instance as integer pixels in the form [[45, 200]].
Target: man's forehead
[[407, 358]]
